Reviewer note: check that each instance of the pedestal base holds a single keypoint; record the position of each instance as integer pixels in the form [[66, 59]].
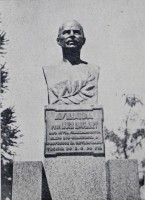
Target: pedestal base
[[123, 180], [76, 178], [27, 181]]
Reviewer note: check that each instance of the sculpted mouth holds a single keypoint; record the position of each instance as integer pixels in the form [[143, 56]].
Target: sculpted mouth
[[72, 42]]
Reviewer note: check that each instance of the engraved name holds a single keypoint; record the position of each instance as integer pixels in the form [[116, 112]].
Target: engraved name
[[73, 116], [76, 125]]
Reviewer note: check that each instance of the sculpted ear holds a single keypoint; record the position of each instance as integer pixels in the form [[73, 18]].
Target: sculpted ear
[[58, 40], [84, 40]]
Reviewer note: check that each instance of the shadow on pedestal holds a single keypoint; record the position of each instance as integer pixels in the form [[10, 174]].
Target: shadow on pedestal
[[45, 189], [29, 181]]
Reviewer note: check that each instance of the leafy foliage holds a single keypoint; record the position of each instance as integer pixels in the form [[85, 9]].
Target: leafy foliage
[[3, 41], [9, 131], [4, 78], [131, 139], [127, 144], [9, 139]]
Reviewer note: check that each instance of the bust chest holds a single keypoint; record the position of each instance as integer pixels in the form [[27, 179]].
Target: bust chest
[[71, 84]]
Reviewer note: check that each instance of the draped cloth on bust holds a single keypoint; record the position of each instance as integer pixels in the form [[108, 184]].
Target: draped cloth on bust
[[72, 85]]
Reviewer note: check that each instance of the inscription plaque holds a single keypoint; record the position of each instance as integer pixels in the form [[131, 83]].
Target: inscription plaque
[[74, 131]]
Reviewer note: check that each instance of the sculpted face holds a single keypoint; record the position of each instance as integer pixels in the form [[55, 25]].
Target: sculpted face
[[71, 35]]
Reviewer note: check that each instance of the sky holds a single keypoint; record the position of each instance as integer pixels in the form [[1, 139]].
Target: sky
[[115, 41]]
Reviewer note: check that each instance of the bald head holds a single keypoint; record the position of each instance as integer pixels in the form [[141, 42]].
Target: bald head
[[69, 24]]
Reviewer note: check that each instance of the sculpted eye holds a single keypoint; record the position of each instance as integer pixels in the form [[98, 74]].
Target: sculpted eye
[[77, 32], [66, 32]]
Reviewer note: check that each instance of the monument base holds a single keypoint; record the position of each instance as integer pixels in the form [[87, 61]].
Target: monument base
[[123, 179], [27, 181], [76, 177]]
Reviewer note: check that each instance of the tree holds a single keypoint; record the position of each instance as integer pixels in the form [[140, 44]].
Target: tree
[[9, 130], [130, 139], [9, 136]]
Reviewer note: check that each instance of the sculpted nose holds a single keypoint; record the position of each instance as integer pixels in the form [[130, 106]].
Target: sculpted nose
[[72, 33]]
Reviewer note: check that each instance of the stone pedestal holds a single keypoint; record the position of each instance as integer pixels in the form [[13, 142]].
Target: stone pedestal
[[74, 153], [27, 181], [76, 177], [123, 180]]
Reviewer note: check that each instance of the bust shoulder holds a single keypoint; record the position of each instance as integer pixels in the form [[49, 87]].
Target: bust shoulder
[[65, 70], [93, 67]]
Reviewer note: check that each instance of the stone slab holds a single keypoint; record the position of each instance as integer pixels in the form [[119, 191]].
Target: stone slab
[[27, 180], [74, 131], [123, 179], [76, 177]]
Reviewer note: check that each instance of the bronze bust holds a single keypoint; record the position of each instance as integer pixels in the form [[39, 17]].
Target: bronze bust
[[73, 81]]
